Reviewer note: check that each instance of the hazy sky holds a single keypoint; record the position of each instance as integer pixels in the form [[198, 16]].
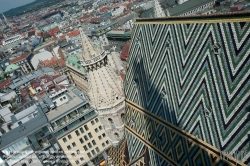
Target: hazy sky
[[5, 5]]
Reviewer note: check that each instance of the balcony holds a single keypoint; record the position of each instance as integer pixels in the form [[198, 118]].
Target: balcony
[[73, 124], [71, 117]]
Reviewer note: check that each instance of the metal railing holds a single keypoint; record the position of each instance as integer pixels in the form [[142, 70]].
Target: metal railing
[[94, 60]]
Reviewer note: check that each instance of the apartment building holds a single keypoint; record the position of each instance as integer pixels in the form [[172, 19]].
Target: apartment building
[[70, 130], [24, 61], [57, 129], [77, 127]]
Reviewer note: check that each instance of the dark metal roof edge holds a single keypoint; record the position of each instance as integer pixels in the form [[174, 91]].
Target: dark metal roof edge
[[198, 17]]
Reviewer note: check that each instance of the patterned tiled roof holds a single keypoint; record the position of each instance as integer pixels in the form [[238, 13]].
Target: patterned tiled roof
[[187, 89]]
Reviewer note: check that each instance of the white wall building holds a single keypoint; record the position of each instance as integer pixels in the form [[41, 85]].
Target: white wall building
[[12, 39], [40, 57], [181, 1], [55, 51], [118, 11]]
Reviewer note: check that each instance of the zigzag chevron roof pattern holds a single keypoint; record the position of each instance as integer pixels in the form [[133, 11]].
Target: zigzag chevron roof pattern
[[194, 75]]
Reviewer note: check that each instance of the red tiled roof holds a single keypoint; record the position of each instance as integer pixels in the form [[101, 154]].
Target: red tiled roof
[[115, 5], [23, 92], [53, 38], [125, 52], [62, 86], [84, 17], [4, 83], [54, 60], [237, 7], [35, 84], [126, 10], [32, 30], [24, 33], [39, 34], [21, 57], [53, 31], [87, 21], [73, 33], [46, 78], [56, 76], [95, 19], [127, 5], [62, 37], [104, 9]]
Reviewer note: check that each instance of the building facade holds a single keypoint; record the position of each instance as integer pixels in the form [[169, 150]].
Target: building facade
[[52, 124], [186, 90], [24, 61], [58, 64], [76, 73], [2, 55], [57, 51], [77, 128]]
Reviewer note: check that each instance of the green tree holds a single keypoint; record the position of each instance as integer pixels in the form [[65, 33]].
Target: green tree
[[5, 75]]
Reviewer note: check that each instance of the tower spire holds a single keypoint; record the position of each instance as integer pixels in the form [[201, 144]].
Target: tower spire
[[6, 20], [105, 87], [158, 10], [88, 49], [168, 13], [2, 25]]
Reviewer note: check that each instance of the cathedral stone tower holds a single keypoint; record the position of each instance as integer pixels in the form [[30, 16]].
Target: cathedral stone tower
[[105, 89]]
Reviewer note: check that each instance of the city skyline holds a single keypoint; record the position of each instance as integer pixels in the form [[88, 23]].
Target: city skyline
[[124, 82]]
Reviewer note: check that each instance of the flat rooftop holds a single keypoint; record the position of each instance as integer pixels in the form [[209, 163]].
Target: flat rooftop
[[76, 99], [20, 132], [28, 77], [187, 6]]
